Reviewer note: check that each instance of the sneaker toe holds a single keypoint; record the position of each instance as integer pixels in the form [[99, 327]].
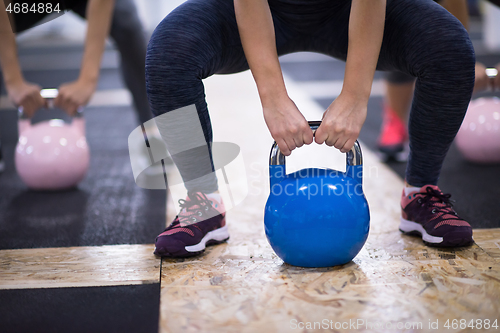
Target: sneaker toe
[[461, 237], [169, 247]]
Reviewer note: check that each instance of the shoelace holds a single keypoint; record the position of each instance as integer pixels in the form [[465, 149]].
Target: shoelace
[[441, 203], [191, 213]]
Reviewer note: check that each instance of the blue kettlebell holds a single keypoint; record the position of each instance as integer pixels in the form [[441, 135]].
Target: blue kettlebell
[[316, 217]]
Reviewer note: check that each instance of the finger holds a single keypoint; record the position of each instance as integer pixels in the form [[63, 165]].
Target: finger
[[283, 147], [331, 141], [28, 108], [320, 136], [31, 105], [348, 145], [291, 144], [298, 140], [66, 104], [58, 101], [40, 101], [72, 108], [308, 137], [339, 144]]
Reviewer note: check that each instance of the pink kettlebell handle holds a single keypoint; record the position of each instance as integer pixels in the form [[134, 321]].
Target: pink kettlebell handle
[[78, 121]]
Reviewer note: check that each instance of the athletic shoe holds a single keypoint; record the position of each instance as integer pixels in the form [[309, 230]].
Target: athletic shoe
[[393, 140], [429, 213], [201, 222]]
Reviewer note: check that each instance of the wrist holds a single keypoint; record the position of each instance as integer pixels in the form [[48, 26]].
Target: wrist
[[13, 79], [272, 94], [357, 95], [89, 77]]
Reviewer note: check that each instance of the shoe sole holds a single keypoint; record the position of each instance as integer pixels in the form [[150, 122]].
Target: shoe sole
[[213, 237], [397, 153], [451, 239]]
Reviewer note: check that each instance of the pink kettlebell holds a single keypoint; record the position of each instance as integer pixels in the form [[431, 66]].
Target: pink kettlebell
[[479, 136], [52, 155]]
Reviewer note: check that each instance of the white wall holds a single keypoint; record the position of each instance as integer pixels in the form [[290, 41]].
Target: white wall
[[491, 27]]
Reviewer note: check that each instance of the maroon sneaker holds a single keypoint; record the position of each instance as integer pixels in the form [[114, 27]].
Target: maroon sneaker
[[201, 222], [429, 213]]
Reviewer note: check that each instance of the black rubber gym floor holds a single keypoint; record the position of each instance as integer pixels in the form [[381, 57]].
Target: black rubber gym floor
[[81, 310], [106, 208]]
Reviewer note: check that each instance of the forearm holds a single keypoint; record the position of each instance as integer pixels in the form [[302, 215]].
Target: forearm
[[255, 25], [366, 29], [8, 50], [99, 13]]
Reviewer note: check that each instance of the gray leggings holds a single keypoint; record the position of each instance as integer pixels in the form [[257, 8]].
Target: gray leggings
[[128, 35], [200, 38]]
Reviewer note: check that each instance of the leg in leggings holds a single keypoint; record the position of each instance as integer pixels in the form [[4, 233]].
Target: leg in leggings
[[196, 40], [440, 54], [421, 38], [425, 41], [127, 32], [399, 93]]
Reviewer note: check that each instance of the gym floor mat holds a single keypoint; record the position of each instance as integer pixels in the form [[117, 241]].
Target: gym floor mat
[[106, 208], [92, 309]]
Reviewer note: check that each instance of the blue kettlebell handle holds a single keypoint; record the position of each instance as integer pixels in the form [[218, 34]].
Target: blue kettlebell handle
[[354, 161]]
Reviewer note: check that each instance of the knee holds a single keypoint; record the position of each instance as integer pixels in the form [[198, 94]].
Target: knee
[[453, 54], [458, 55]]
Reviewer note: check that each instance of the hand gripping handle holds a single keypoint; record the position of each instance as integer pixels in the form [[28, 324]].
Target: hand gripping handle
[[354, 160]]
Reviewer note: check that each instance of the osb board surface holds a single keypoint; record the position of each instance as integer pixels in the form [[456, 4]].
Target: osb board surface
[[242, 286], [489, 240], [78, 266]]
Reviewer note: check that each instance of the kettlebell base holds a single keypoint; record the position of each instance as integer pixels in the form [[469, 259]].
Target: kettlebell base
[[53, 189], [304, 265], [328, 256]]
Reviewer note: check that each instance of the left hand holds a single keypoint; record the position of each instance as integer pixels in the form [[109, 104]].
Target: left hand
[[482, 80], [342, 122], [73, 95]]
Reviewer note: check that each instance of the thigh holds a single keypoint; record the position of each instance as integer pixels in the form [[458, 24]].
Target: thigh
[[201, 36], [420, 36], [416, 32]]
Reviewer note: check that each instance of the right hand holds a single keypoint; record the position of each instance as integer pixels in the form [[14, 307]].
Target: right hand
[[496, 80], [287, 125], [26, 95]]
